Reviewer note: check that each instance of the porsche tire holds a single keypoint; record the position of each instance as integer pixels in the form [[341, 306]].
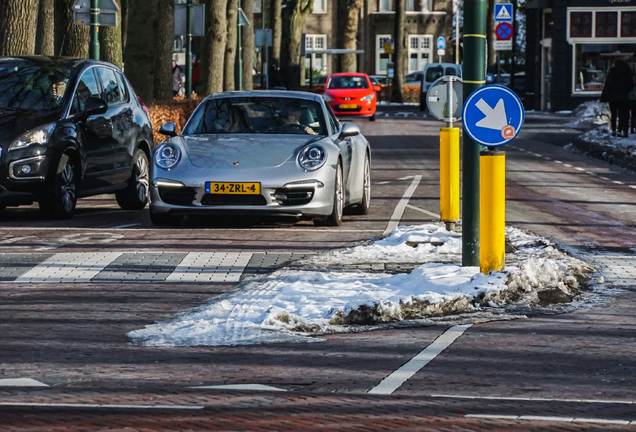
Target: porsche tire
[[335, 218], [363, 207]]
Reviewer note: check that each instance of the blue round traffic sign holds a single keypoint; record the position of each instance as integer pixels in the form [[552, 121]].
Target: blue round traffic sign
[[493, 115], [441, 43]]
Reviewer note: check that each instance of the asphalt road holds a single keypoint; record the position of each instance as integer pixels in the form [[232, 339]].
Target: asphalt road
[[573, 371]]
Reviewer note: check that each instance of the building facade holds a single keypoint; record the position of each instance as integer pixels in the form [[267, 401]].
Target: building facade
[[571, 44]]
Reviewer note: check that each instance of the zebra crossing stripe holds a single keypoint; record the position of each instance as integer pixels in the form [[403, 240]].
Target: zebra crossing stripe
[[211, 267], [69, 267]]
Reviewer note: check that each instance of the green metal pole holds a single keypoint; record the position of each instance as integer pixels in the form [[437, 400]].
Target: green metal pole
[[239, 53], [93, 47], [474, 75], [188, 64]]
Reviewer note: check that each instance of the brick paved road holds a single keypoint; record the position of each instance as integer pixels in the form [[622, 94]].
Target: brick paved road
[[71, 336]]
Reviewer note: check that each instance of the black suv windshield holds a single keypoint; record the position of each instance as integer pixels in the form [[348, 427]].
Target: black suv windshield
[[257, 115], [29, 87]]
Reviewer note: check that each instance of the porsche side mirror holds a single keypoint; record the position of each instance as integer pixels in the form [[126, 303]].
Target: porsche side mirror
[[169, 129], [349, 130], [377, 88], [95, 106]]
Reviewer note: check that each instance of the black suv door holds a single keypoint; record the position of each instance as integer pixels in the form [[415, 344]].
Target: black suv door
[[121, 119], [95, 134]]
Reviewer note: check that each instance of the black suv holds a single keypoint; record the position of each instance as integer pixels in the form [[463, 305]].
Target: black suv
[[70, 128]]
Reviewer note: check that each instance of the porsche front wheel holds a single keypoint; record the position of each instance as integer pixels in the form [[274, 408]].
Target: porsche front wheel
[[335, 218]]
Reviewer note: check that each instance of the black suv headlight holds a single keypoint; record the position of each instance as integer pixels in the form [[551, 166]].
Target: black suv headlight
[[39, 136]]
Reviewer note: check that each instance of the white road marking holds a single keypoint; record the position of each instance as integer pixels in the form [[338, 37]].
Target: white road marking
[[590, 173], [557, 161], [383, 182], [567, 165], [538, 155], [399, 209], [392, 382], [632, 186], [69, 267], [124, 226], [537, 399], [579, 169], [547, 158], [112, 406], [618, 182], [412, 207], [211, 267], [603, 178], [550, 419], [258, 387], [21, 382]]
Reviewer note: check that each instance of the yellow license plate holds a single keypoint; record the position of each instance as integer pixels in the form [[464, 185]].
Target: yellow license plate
[[348, 106], [233, 188]]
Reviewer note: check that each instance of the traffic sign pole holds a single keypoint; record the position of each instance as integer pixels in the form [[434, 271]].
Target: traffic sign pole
[[93, 47], [474, 74], [188, 65], [449, 176]]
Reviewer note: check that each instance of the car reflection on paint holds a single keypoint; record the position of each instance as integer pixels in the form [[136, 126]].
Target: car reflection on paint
[[261, 153]]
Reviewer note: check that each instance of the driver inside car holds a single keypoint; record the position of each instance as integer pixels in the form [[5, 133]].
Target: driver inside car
[[290, 115]]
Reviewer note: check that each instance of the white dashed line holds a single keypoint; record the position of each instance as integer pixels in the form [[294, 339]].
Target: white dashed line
[[590, 173], [111, 406], [618, 182], [547, 158], [579, 169], [538, 399], [558, 161], [567, 165], [538, 155], [257, 387], [70, 267], [399, 209], [211, 267], [392, 382], [603, 178], [21, 382], [550, 419], [632, 186]]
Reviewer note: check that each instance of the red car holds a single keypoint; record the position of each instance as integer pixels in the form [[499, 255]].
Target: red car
[[351, 94]]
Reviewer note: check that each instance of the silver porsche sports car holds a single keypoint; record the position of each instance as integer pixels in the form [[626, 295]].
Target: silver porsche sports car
[[261, 153]]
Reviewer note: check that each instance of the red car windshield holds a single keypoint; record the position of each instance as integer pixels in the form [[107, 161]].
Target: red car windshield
[[348, 82]]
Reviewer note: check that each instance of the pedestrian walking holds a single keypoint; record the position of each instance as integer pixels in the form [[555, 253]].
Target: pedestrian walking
[[195, 73], [177, 78], [618, 85]]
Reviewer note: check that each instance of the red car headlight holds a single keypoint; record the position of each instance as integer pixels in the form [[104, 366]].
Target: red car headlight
[[367, 97]]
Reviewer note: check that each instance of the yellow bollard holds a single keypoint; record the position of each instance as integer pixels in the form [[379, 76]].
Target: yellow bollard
[[449, 175], [492, 210]]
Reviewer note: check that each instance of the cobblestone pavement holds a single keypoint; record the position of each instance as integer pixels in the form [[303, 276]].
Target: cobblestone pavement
[[140, 266], [560, 372]]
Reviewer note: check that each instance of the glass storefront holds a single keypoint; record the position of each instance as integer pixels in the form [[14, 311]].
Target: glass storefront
[[593, 61]]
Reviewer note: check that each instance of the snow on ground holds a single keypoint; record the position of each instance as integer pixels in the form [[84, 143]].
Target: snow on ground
[[589, 115], [600, 144], [292, 305]]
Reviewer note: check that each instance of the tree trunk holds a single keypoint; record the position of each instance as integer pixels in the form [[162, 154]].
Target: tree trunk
[[294, 19], [277, 30], [247, 44], [399, 53], [229, 83], [70, 39], [18, 26], [351, 10], [214, 42], [124, 5], [139, 57], [110, 48], [45, 37], [163, 57]]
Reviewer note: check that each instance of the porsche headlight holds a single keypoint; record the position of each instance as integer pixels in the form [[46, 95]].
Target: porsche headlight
[[312, 157], [327, 98], [39, 136], [167, 156], [368, 97]]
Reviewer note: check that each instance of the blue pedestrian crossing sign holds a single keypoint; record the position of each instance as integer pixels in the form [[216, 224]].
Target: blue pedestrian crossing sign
[[503, 12], [493, 115]]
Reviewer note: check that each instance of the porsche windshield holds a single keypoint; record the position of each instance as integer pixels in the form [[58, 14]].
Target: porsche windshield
[[26, 86], [257, 115]]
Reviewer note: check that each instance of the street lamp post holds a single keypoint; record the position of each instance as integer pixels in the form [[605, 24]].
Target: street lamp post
[[93, 47]]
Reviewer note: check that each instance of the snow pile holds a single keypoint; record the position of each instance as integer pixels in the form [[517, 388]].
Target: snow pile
[[590, 114], [292, 305], [600, 144]]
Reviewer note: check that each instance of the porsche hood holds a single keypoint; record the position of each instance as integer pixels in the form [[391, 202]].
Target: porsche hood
[[243, 151]]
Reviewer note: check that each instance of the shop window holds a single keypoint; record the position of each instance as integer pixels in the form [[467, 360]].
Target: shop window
[[607, 24], [581, 24], [628, 24], [593, 61]]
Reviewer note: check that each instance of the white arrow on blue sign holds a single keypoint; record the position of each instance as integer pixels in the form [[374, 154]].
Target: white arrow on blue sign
[[441, 43], [493, 115]]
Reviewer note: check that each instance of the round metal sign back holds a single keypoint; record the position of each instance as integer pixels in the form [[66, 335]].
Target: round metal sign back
[[437, 98]]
